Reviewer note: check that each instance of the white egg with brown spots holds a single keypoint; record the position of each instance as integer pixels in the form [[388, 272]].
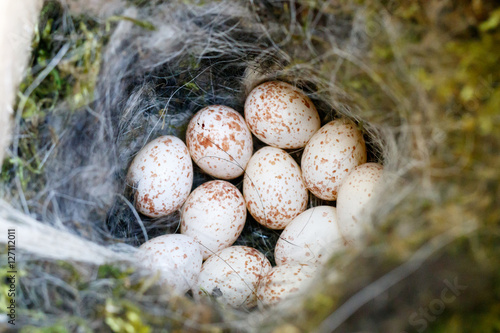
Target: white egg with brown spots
[[214, 215], [355, 197], [232, 276], [219, 141], [331, 154], [281, 115], [273, 188], [161, 175], [311, 238], [176, 258], [286, 282]]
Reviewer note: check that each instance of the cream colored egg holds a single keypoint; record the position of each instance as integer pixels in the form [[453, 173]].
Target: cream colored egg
[[286, 282], [311, 238], [214, 215], [219, 141], [161, 175], [176, 258], [232, 276], [273, 188], [353, 203], [331, 154], [281, 115]]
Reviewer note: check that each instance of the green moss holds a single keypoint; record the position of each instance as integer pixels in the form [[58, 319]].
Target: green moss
[[6, 295], [143, 24], [316, 308], [123, 316], [48, 83], [112, 271], [412, 76], [57, 328], [74, 77], [64, 69]]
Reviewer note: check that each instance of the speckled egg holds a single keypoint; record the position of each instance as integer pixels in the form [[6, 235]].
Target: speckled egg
[[311, 238], [177, 259], [281, 115], [219, 141], [355, 194], [161, 175], [331, 154], [273, 188], [285, 282], [232, 276], [214, 215]]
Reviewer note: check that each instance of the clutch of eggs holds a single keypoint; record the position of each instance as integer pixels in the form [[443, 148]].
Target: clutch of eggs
[[273, 188], [232, 276], [214, 215], [281, 115], [285, 282], [310, 238], [219, 141], [275, 192], [176, 258], [162, 176], [355, 200], [330, 155]]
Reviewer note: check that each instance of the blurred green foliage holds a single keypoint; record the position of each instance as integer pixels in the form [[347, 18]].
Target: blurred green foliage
[[124, 317], [63, 72]]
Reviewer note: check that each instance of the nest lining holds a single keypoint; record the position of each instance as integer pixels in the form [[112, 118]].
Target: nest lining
[[151, 82]]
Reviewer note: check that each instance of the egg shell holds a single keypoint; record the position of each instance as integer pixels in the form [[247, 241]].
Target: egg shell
[[219, 141], [273, 188], [214, 215], [353, 202], [331, 154], [310, 238], [281, 115], [162, 176], [232, 276], [177, 259], [285, 282]]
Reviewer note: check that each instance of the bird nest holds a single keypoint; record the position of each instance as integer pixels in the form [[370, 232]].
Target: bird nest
[[419, 78]]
